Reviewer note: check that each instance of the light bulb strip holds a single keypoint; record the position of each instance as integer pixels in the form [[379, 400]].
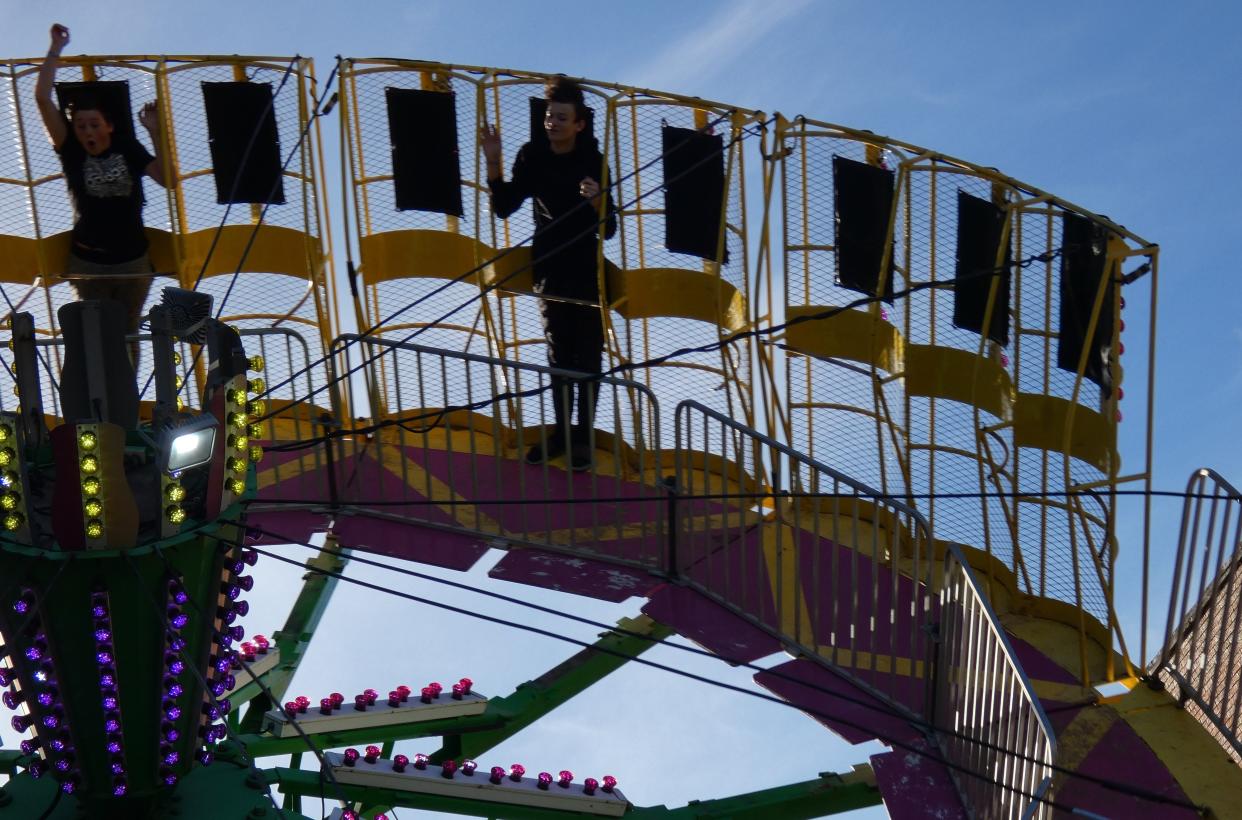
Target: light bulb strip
[[381, 713], [14, 513], [90, 473], [441, 781]]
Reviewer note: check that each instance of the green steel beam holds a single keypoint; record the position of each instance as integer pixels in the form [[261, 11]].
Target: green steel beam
[[293, 639], [534, 699], [828, 794], [8, 761], [505, 716]]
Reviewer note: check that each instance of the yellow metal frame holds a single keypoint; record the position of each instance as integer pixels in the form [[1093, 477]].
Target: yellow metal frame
[[900, 345], [638, 290], [303, 254]]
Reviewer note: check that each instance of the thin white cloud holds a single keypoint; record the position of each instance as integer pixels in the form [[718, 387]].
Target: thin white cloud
[[703, 51]]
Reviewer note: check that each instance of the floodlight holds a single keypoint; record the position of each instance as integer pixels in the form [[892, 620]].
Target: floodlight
[[189, 444]]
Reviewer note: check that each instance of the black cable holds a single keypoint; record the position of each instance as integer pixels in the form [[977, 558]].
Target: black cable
[[888, 711], [51, 806], [487, 289], [1119, 787], [710, 347], [317, 111], [245, 159], [721, 496]]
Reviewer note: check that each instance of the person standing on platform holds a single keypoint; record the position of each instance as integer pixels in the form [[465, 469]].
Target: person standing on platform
[[561, 177], [108, 256]]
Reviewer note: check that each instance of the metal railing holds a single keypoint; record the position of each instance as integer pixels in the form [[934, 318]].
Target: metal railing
[[1201, 662], [448, 450], [841, 573], [996, 728], [835, 570]]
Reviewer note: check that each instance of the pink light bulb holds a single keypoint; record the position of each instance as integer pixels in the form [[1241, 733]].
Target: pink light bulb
[[394, 698], [610, 783], [448, 768], [565, 778], [545, 780], [468, 767], [303, 703], [435, 688], [498, 774], [291, 708], [325, 706], [404, 691], [420, 761], [457, 691], [516, 771], [372, 755], [590, 785], [349, 814], [360, 703], [351, 756], [465, 684], [337, 698], [399, 763], [427, 694], [261, 641], [371, 696]]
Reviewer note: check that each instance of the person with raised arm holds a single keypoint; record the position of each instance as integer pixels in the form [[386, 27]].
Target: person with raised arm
[[562, 179], [103, 169]]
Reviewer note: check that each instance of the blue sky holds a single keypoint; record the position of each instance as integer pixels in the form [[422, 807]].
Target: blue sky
[[1129, 109]]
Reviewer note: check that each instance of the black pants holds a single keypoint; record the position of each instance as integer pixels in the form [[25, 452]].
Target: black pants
[[575, 336]]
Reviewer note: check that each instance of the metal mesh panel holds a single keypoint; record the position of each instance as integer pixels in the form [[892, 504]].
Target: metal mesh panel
[[628, 127], [840, 412], [35, 204]]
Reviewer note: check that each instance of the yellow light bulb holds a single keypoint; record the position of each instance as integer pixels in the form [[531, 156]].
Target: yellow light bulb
[[256, 362], [94, 528], [256, 431], [90, 464], [178, 381], [176, 514], [236, 486], [13, 521], [174, 493], [238, 441], [256, 453], [235, 465], [6, 432], [93, 507], [9, 501], [90, 485], [237, 420], [176, 357], [16, 390], [11, 479], [6, 456], [88, 440], [180, 403], [256, 407], [236, 396], [256, 385]]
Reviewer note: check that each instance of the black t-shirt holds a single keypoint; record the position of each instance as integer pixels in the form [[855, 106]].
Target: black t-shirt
[[566, 226], [107, 199]]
